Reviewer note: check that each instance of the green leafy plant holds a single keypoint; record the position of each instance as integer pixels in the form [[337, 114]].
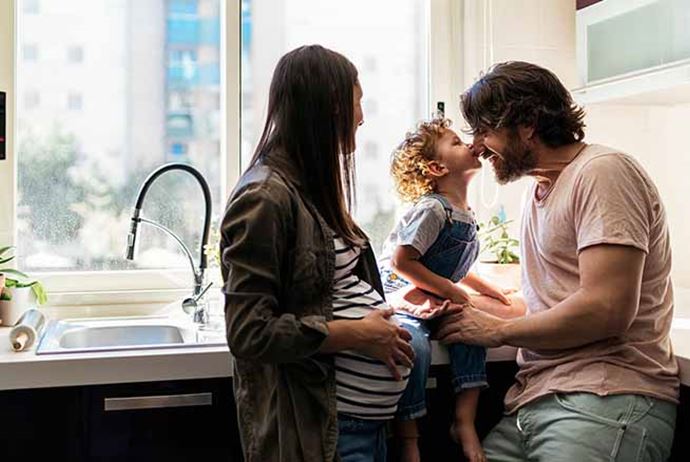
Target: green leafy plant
[[496, 240], [16, 279], [212, 248]]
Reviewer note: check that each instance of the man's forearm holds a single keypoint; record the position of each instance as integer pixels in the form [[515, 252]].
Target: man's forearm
[[577, 321]]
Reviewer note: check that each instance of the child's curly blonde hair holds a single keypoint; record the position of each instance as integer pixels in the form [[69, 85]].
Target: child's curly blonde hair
[[410, 161]]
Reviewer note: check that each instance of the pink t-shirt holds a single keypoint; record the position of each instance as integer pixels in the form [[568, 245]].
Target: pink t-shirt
[[601, 197]]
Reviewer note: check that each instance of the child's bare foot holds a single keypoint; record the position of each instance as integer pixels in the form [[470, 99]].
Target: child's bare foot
[[466, 436], [409, 450]]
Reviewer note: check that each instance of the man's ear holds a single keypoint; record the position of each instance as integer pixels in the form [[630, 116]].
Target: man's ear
[[527, 133], [437, 169]]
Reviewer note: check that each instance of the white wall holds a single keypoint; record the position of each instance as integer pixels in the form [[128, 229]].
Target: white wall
[[658, 137], [538, 31]]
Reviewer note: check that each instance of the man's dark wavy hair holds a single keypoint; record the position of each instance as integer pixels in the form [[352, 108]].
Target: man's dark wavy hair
[[517, 93]]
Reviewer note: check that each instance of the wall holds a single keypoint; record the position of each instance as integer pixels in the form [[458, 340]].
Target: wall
[[538, 31], [658, 137], [543, 32]]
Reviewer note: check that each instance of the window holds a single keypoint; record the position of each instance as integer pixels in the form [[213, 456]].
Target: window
[[31, 6], [32, 100], [75, 54], [153, 91], [74, 102], [30, 52], [77, 177], [386, 39]]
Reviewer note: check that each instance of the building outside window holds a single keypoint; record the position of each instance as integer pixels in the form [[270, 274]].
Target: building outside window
[[78, 176], [75, 54], [74, 101], [30, 52], [150, 72], [386, 40]]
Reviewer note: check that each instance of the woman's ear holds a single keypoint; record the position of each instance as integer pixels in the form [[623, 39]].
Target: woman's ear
[[437, 169]]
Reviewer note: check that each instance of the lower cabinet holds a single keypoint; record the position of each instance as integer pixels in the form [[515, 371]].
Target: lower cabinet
[[191, 420], [435, 442], [159, 421], [681, 443]]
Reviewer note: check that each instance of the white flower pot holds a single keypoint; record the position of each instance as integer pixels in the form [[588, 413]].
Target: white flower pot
[[11, 310], [506, 276]]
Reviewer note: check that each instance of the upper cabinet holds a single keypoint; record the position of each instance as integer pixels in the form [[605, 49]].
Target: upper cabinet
[[633, 51]]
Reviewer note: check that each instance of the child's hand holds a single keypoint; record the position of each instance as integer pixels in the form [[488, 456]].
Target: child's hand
[[428, 312], [499, 294]]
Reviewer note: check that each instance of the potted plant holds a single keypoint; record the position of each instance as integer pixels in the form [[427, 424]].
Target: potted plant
[[18, 291], [503, 265]]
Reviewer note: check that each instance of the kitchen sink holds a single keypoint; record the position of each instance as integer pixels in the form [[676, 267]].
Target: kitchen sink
[[123, 333], [88, 337]]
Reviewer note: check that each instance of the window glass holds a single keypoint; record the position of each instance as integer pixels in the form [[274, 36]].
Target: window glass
[[125, 86], [386, 39]]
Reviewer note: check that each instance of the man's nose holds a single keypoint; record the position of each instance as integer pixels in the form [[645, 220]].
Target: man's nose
[[478, 140], [478, 144]]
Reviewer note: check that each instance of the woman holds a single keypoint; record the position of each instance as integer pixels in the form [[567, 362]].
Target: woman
[[303, 299]]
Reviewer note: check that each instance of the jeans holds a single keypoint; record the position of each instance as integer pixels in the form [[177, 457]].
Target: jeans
[[585, 427], [361, 440], [467, 366]]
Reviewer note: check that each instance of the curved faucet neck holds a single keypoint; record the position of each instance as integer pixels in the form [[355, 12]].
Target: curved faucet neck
[[198, 274]]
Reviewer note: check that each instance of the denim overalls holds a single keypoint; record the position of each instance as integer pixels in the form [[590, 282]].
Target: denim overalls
[[451, 256]]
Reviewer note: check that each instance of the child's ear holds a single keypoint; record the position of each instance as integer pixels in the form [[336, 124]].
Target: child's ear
[[437, 169]]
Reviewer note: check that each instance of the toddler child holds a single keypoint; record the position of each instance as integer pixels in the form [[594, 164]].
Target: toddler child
[[433, 247]]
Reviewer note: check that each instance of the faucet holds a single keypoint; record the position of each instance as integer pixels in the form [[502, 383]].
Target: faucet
[[190, 304]]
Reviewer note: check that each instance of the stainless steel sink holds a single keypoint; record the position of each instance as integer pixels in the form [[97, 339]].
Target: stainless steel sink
[[88, 337], [114, 334]]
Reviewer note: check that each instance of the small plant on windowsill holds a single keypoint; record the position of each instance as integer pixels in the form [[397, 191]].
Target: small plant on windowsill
[[17, 290], [503, 267], [497, 242], [212, 251]]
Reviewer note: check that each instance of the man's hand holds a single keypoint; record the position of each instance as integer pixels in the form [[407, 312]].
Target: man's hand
[[466, 324]]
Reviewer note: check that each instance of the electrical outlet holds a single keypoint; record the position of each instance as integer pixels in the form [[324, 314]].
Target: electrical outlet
[[440, 109]]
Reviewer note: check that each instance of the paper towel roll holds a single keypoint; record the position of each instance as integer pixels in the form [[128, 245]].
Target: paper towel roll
[[27, 330]]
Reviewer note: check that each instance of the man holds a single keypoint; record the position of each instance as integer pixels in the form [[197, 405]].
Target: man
[[597, 379]]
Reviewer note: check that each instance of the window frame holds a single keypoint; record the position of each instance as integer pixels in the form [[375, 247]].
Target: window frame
[[146, 286]]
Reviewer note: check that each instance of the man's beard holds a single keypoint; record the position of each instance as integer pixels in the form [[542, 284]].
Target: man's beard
[[516, 160]]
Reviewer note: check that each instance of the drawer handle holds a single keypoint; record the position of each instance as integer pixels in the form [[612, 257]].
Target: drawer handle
[[157, 402]]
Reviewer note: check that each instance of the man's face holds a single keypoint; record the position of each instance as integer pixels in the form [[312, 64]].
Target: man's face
[[510, 157]]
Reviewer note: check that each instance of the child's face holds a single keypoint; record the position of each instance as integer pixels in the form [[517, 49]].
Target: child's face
[[458, 158]]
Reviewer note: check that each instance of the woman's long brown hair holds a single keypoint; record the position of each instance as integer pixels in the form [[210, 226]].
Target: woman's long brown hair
[[309, 132]]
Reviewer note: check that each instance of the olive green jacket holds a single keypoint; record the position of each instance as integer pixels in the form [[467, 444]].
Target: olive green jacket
[[278, 262]]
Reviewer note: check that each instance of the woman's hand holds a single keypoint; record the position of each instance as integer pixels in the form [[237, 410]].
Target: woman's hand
[[386, 341]]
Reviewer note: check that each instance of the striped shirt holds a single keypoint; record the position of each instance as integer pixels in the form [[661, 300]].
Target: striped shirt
[[365, 387]]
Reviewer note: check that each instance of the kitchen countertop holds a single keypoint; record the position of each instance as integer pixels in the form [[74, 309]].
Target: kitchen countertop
[[27, 370]]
